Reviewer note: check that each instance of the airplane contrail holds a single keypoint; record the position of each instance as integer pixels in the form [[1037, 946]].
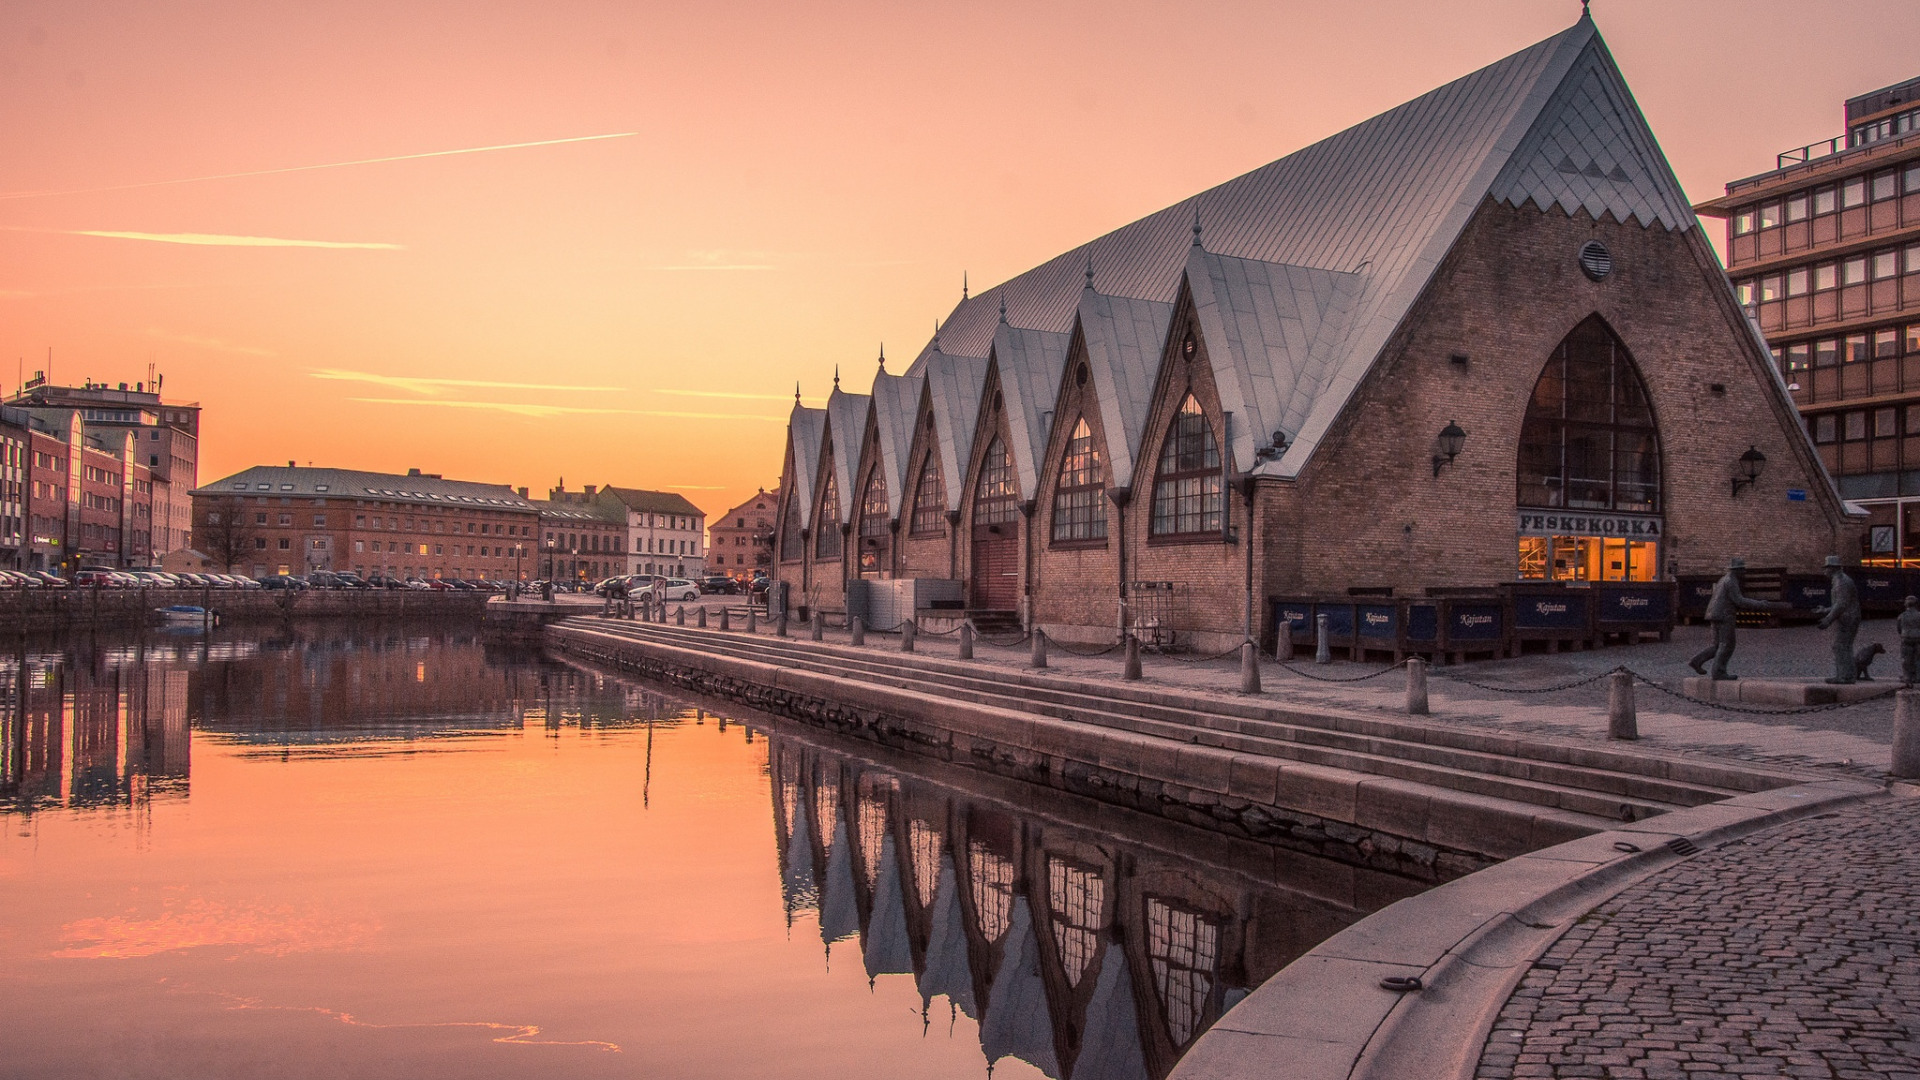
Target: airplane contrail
[[311, 168]]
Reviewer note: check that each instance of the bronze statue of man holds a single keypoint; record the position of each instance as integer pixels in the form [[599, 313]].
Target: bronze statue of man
[[1722, 609], [1843, 614]]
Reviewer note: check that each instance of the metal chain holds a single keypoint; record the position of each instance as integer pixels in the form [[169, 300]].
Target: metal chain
[[1791, 710], [1056, 643], [1202, 659], [1340, 679], [1526, 689], [1021, 640]]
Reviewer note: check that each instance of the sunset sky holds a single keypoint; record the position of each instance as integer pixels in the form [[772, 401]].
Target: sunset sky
[[776, 189]]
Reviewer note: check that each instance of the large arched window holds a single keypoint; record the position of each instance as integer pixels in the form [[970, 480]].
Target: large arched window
[[996, 499], [826, 538], [929, 499], [873, 506], [1079, 501], [1589, 441], [1186, 492]]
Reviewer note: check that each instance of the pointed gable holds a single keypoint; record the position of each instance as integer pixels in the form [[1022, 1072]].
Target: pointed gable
[[1275, 337], [804, 430], [1030, 363], [846, 424], [896, 400], [953, 386], [1591, 150], [1123, 338]]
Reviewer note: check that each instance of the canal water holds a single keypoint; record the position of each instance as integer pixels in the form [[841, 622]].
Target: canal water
[[406, 853]]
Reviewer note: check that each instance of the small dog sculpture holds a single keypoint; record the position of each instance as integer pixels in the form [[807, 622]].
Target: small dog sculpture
[[1863, 658]]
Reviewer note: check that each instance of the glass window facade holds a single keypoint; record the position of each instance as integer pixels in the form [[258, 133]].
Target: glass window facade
[[1589, 441], [1187, 495], [1079, 500]]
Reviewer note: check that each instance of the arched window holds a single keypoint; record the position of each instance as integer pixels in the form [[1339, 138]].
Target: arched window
[[826, 534], [929, 499], [873, 506], [1079, 501], [1589, 441], [1186, 493], [996, 499]]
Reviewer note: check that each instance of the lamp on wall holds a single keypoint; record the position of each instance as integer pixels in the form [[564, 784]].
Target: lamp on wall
[[1452, 438], [1749, 467]]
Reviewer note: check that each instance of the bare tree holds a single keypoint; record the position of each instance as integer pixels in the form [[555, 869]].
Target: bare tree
[[225, 531]]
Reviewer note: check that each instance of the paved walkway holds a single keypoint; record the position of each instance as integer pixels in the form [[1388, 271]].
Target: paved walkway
[[1795, 952]]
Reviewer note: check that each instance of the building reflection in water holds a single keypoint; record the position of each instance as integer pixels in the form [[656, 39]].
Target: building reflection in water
[[1090, 955]]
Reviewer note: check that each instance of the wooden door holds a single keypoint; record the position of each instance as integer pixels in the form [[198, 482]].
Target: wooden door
[[996, 567]]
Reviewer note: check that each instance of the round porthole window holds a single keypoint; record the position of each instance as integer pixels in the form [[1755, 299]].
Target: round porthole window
[[1080, 375], [1595, 260]]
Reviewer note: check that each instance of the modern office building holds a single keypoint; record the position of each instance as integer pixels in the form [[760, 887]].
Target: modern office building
[[1824, 251]]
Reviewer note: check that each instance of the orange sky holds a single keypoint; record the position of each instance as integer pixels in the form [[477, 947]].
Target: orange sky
[[804, 181]]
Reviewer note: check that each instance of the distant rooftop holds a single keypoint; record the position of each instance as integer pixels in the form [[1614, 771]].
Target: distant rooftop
[[426, 489]]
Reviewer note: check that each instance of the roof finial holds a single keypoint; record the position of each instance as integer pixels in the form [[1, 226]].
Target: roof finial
[[1003, 309], [1584, 12], [883, 358], [1089, 268], [936, 335], [1196, 224], [796, 391], [836, 376], [963, 284]]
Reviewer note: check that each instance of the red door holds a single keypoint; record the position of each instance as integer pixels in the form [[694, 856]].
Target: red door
[[996, 567]]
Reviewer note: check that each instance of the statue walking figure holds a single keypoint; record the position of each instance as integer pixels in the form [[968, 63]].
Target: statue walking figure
[[1843, 614], [1909, 626], [1725, 606]]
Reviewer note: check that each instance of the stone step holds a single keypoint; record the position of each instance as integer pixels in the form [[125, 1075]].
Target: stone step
[[1490, 767]]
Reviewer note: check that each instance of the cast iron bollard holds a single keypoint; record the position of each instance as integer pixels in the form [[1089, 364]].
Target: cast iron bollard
[[1249, 668], [646, 614], [966, 641], [780, 624], [1283, 642], [700, 619], [908, 631], [816, 627], [857, 630], [1132, 673], [680, 617], [1621, 721], [1039, 648], [753, 619], [1416, 686], [1906, 735], [726, 620], [1322, 648]]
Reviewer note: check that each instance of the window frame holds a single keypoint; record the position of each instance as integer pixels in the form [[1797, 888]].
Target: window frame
[[1187, 471], [1079, 516]]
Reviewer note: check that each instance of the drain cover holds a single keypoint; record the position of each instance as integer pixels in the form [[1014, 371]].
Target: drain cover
[[1680, 845]]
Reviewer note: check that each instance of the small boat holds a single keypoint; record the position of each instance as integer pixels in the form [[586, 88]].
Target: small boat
[[186, 615]]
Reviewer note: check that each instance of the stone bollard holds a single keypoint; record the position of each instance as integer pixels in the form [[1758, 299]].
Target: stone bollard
[[680, 617], [646, 614], [856, 631], [700, 619], [1283, 642], [1322, 647], [1906, 735], [909, 630], [726, 620], [966, 641], [1132, 674], [1621, 721], [780, 624], [1039, 637], [816, 628], [1249, 668], [1416, 686], [753, 619]]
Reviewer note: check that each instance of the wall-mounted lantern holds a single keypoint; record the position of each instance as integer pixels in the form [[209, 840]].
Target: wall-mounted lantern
[[1749, 467], [1452, 438]]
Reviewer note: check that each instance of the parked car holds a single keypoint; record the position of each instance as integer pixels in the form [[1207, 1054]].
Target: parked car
[[50, 580], [283, 581], [96, 579], [719, 585]]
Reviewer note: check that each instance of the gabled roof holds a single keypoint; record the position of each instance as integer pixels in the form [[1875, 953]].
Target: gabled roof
[[896, 400], [953, 386], [1029, 363], [1275, 335], [1382, 201], [846, 426], [1123, 340], [804, 428], [652, 502]]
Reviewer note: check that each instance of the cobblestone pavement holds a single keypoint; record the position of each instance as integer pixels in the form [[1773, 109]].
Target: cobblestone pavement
[[1794, 952]]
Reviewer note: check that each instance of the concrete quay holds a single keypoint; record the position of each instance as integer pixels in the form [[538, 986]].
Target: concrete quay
[[1535, 950]]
